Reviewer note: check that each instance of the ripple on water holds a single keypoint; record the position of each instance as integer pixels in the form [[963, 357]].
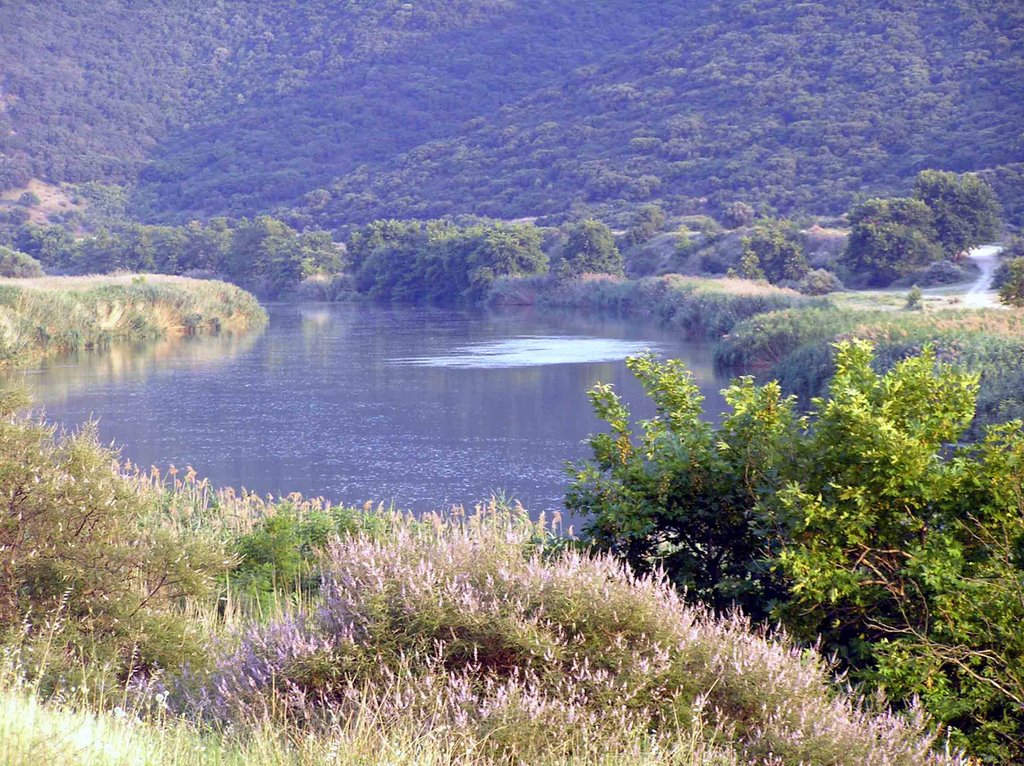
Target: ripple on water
[[532, 351]]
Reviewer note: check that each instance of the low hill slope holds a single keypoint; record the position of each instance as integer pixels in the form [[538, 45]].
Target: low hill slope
[[796, 107], [349, 112]]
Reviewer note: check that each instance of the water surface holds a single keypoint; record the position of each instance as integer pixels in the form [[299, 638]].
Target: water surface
[[423, 407]]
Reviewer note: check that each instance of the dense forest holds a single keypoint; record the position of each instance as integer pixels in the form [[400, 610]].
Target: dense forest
[[329, 114]]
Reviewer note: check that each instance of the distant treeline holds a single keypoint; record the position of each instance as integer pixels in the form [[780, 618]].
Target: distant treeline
[[262, 253]]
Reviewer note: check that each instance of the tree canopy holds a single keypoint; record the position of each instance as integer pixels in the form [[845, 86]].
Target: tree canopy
[[865, 522]]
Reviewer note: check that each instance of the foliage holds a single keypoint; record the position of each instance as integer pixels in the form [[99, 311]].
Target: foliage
[[819, 282], [890, 238], [441, 262], [770, 103], [647, 222], [682, 497], [263, 254], [858, 524], [948, 215], [773, 251], [78, 551], [471, 626], [17, 264], [914, 299], [590, 249], [282, 552], [504, 109], [903, 557], [1011, 289], [964, 209]]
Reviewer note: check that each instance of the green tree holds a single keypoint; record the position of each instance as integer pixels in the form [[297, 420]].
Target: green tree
[[648, 221], [774, 252], [1011, 291], [890, 238], [590, 249], [861, 525], [965, 211], [265, 253], [680, 496]]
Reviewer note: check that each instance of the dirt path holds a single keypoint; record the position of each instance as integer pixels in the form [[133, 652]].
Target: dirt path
[[980, 294]]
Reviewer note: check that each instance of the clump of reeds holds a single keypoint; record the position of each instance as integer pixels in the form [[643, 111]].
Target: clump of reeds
[[698, 307], [57, 314]]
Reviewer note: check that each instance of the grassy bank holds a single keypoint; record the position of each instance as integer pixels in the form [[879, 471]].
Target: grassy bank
[[151, 619], [50, 315], [699, 308], [788, 336], [795, 347]]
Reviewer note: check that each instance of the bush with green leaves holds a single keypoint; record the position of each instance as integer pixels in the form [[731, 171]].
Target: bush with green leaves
[[1011, 285], [861, 524], [17, 264], [86, 558], [773, 251], [282, 553]]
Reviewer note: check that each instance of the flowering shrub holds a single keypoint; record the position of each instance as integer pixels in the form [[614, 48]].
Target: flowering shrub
[[467, 626]]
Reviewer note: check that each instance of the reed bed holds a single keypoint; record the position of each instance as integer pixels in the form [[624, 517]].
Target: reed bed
[[700, 308], [796, 348], [50, 315]]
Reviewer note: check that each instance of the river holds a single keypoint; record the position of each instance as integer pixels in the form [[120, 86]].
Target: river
[[425, 408]]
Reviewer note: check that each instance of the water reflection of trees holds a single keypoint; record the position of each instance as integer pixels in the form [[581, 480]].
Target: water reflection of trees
[[57, 378]]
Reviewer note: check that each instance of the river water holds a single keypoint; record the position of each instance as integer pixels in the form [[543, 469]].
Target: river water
[[426, 408]]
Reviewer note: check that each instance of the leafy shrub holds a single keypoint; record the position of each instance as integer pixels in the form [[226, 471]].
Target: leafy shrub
[[17, 264], [81, 547], [281, 554], [819, 282], [1011, 284]]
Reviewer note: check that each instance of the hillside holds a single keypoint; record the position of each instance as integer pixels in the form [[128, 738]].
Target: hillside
[[794, 107], [337, 113]]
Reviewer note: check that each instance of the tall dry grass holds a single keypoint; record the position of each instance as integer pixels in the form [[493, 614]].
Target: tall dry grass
[[58, 314]]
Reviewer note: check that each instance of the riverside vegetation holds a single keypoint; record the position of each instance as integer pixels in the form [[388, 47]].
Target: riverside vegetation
[[164, 622], [58, 314]]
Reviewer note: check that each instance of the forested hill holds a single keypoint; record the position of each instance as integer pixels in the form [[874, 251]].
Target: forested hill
[[347, 111]]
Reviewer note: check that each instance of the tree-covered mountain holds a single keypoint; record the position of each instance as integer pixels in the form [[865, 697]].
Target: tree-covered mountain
[[340, 112]]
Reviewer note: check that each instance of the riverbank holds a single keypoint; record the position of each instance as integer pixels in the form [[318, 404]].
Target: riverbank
[[50, 315], [174, 623], [784, 335], [701, 308]]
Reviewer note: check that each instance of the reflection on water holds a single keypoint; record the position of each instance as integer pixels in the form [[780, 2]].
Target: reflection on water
[[56, 379], [318, 404], [533, 352]]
